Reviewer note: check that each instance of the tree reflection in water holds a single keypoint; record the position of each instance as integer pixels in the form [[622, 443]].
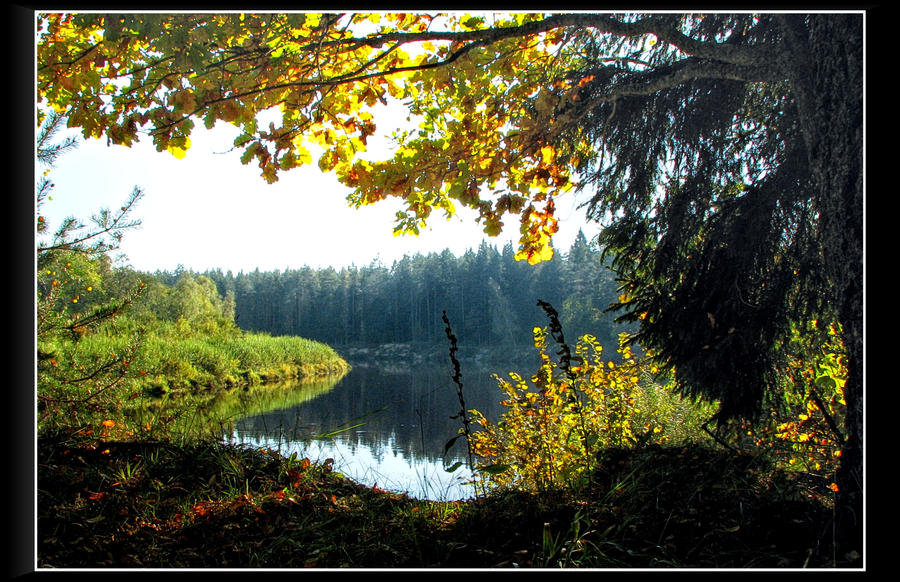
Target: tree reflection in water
[[389, 428]]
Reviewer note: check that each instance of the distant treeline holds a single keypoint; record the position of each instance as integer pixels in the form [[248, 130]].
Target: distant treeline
[[489, 297]]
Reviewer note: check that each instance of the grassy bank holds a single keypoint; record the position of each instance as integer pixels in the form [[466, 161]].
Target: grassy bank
[[156, 504], [149, 380], [245, 359]]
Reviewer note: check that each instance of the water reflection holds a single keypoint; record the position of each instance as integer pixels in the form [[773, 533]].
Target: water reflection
[[380, 462], [393, 427]]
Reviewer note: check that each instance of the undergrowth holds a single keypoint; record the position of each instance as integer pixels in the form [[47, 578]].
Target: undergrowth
[[157, 504]]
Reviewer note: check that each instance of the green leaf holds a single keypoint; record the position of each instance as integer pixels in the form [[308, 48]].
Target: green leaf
[[242, 139], [450, 443], [493, 227], [826, 383]]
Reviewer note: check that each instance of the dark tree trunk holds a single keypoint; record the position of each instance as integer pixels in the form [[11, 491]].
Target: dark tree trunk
[[826, 58]]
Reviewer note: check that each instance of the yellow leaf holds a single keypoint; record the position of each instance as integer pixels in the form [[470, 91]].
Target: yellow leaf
[[179, 152], [303, 155], [535, 255], [547, 153]]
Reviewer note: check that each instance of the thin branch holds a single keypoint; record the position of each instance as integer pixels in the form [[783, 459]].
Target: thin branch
[[83, 54], [758, 54], [332, 82], [828, 418], [117, 224], [705, 427]]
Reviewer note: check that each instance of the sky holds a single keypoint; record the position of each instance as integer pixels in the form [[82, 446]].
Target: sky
[[207, 211]]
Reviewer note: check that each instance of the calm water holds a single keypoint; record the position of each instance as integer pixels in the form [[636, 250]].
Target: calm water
[[395, 426]]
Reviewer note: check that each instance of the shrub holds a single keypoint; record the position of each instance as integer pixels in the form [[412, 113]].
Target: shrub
[[555, 425]]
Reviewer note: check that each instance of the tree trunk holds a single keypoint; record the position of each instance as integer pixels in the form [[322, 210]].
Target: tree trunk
[[827, 71]]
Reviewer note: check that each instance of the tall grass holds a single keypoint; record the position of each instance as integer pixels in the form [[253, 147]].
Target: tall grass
[[191, 367], [226, 360], [277, 354]]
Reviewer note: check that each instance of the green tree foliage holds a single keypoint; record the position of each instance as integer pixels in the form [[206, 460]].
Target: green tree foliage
[[196, 306], [489, 295], [71, 301]]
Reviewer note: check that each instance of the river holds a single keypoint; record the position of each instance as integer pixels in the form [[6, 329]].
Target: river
[[389, 425]]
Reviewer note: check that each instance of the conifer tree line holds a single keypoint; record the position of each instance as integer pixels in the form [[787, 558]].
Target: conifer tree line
[[490, 297]]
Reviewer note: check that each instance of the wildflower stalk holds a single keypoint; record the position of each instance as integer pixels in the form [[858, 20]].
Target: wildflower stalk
[[457, 379]]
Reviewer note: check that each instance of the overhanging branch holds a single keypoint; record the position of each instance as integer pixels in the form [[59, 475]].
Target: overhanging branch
[[758, 54]]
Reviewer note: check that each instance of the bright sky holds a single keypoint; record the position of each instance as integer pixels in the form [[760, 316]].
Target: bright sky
[[209, 211]]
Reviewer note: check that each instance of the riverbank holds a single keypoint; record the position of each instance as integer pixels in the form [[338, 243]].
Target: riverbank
[[246, 359], [400, 355], [157, 504], [192, 368]]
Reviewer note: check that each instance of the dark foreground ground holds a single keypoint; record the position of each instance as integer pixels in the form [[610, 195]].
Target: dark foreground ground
[[146, 504]]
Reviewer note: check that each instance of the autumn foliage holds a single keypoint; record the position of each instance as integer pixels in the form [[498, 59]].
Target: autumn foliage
[[573, 408], [476, 135]]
